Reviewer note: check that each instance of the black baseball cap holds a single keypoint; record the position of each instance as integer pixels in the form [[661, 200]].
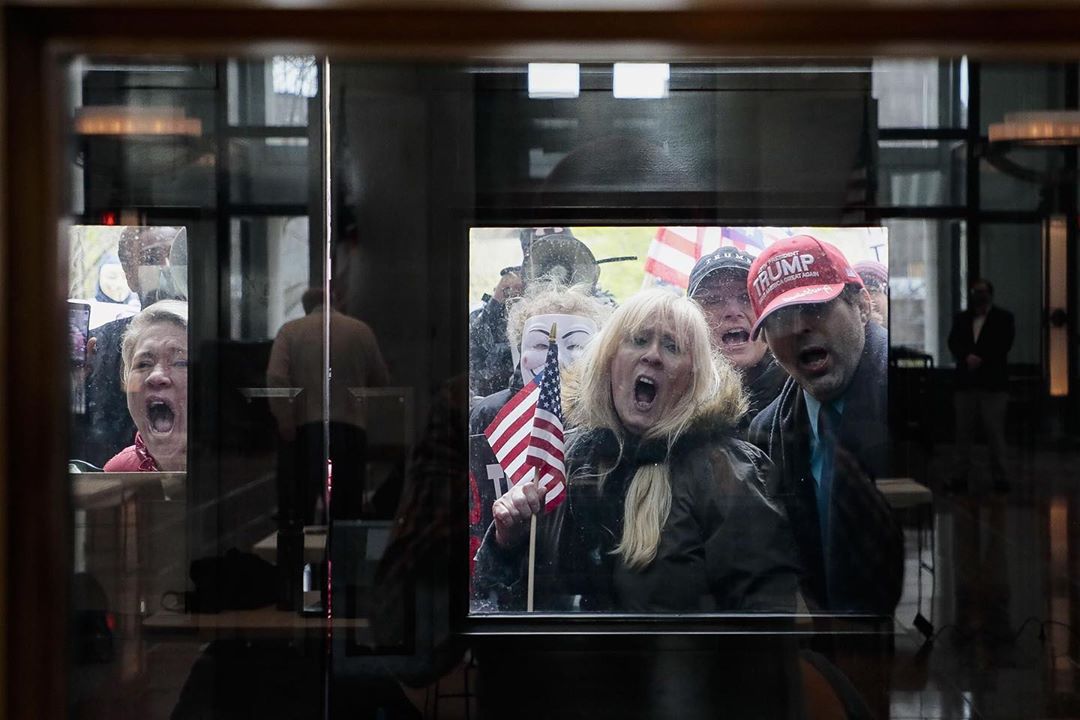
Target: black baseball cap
[[726, 258]]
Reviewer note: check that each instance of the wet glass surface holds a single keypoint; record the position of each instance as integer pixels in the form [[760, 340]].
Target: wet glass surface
[[299, 530]]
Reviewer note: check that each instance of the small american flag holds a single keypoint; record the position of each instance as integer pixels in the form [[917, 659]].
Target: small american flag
[[527, 434]]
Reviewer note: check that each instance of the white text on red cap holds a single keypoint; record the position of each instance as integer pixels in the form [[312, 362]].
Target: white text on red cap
[[781, 269]]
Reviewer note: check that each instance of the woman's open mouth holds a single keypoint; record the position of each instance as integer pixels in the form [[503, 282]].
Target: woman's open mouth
[[814, 359], [161, 415], [644, 392], [735, 337]]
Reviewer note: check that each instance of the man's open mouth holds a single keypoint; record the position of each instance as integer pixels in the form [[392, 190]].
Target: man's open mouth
[[644, 392], [161, 415], [814, 359], [734, 337]]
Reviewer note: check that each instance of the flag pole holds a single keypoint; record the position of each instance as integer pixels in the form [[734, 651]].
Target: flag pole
[[552, 337], [532, 562]]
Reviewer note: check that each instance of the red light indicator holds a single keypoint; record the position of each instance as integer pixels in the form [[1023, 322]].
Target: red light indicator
[[108, 218]]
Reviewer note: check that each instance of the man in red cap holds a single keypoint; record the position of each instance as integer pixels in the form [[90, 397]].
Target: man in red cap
[[826, 432]]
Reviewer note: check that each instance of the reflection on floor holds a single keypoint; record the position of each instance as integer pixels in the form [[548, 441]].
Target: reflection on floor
[[1003, 600]]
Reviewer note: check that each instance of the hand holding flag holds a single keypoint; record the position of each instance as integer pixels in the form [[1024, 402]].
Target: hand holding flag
[[527, 434], [527, 438]]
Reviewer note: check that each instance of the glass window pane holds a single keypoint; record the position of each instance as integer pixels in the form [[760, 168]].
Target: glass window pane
[[1000, 190], [921, 173], [144, 133], [276, 92], [922, 276], [269, 271], [175, 301], [1013, 87], [270, 171], [314, 539], [923, 93], [1011, 258], [718, 131]]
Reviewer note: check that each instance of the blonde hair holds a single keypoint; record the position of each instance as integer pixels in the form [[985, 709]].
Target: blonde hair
[[163, 311], [550, 298], [713, 383]]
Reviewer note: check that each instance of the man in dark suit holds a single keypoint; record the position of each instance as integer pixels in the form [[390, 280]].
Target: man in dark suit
[[980, 340], [826, 432]]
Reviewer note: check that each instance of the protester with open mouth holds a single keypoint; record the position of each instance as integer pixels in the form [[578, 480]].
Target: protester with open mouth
[[827, 431], [151, 270], [155, 367], [666, 509], [718, 285]]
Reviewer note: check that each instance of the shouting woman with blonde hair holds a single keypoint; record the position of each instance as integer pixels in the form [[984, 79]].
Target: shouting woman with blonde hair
[[667, 509]]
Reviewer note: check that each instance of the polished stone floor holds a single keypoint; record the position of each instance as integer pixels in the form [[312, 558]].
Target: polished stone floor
[[1002, 597]]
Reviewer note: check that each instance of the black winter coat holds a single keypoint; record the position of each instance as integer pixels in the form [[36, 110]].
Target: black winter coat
[[763, 383], [724, 548], [491, 362], [864, 570], [109, 427]]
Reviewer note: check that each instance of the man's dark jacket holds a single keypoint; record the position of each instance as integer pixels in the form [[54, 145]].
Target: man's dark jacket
[[485, 409], [491, 363], [109, 427], [763, 382], [863, 570], [995, 341]]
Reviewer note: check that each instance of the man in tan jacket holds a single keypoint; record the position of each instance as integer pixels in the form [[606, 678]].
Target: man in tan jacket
[[298, 361]]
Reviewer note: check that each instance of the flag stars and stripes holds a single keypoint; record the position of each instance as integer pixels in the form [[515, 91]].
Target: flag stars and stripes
[[527, 434]]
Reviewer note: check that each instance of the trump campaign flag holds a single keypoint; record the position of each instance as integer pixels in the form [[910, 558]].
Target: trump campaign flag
[[527, 434]]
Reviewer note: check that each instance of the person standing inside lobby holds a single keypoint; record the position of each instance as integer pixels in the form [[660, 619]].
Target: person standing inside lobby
[[297, 361], [979, 341]]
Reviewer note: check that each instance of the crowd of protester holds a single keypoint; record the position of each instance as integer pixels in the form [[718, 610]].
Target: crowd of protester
[[721, 446]]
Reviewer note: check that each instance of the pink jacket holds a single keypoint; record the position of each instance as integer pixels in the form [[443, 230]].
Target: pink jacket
[[134, 458]]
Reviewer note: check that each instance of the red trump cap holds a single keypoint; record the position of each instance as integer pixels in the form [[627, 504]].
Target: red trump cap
[[797, 270]]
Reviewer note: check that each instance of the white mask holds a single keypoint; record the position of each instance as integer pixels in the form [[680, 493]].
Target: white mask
[[573, 333], [113, 283]]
